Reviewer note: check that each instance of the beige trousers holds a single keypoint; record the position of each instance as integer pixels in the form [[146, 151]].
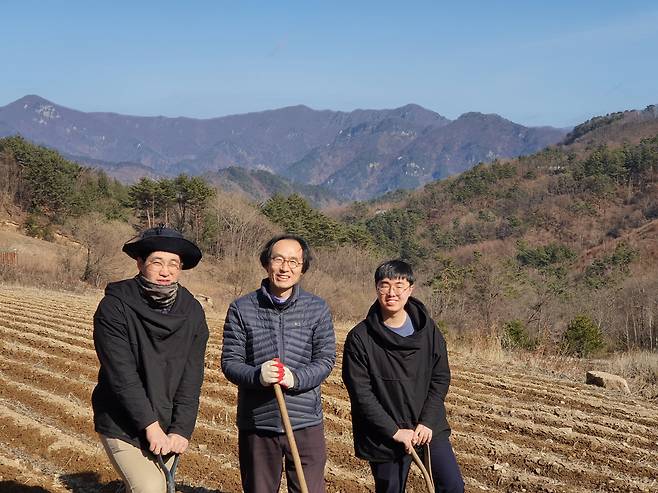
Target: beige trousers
[[138, 468]]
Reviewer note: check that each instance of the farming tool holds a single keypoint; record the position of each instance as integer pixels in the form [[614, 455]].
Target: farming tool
[[291, 437], [169, 473], [424, 468]]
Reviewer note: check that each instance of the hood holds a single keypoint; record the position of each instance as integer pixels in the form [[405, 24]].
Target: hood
[[159, 325], [387, 338]]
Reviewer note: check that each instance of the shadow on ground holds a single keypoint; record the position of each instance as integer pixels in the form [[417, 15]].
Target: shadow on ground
[[14, 487], [88, 482], [185, 488]]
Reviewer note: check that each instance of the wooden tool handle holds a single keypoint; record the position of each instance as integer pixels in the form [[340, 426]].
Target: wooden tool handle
[[423, 469], [291, 437]]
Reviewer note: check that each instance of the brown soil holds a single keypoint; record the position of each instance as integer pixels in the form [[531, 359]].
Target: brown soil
[[512, 431]]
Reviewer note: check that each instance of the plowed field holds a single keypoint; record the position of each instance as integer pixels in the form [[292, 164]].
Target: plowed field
[[511, 431]]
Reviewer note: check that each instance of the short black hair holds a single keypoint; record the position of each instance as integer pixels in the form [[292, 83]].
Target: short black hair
[[266, 252], [395, 269]]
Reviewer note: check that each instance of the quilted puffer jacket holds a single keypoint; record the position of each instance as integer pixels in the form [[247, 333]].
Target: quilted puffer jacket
[[299, 332]]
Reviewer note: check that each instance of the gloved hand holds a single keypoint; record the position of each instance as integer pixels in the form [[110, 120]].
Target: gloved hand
[[288, 379], [271, 372]]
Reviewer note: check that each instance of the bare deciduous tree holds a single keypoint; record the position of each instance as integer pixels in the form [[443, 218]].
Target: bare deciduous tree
[[101, 241]]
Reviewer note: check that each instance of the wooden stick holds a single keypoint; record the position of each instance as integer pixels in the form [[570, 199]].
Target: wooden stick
[[427, 461], [291, 437], [423, 469]]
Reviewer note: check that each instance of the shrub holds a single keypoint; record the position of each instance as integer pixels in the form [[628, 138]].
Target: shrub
[[544, 256], [510, 226], [516, 336], [32, 226], [441, 238], [294, 215], [609, 270], [38, 227], [651, 210], [394, 232], [582, 337], [480, 180]]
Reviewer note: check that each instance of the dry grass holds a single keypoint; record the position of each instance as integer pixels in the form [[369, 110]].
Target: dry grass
[[640, 368], [478, 344], [60, 265], [41, 263]]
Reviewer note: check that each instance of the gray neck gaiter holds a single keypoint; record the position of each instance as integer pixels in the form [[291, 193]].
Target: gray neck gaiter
[[156, 295]]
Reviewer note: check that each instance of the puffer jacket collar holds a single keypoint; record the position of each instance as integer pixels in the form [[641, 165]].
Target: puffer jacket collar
[[265, 298]]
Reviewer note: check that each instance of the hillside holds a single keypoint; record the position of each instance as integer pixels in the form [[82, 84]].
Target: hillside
[[628, 126], [537, 239], [354, 154], [260, 185], [385, 157]]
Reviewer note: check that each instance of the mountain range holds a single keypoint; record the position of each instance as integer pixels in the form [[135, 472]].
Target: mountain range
[[353, 155]]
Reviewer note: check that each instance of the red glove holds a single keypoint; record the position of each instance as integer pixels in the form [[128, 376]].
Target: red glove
[[271, 372], [280, 368], [286, 378]]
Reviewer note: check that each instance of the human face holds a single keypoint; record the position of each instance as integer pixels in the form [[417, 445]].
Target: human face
[[392, 294], [282, 277], [160, 267]]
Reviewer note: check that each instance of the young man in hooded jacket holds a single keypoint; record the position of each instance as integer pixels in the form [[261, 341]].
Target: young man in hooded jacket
[[395, 368], [150, 336]]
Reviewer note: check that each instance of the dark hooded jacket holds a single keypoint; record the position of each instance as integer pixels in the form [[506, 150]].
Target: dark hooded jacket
[[395, 382], [151, 364]]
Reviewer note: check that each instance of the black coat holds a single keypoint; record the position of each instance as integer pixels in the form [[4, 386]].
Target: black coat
[[151, 364], [395, 382]]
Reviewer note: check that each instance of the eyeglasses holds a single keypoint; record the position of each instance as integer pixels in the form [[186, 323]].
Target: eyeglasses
[[158, 265], [396, 289], [293, 263]]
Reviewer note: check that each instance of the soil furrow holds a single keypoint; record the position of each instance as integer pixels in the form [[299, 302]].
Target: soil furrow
[[572, 396], [49, 337], [576, 423]]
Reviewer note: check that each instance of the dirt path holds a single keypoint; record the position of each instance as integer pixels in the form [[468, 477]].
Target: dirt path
[[512, 432]]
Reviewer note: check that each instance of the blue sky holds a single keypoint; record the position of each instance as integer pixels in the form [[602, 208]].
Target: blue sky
[[536, 63]]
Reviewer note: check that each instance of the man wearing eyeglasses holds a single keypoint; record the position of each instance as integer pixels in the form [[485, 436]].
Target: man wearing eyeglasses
[[281, 334], [395, 368], [150, 336]]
